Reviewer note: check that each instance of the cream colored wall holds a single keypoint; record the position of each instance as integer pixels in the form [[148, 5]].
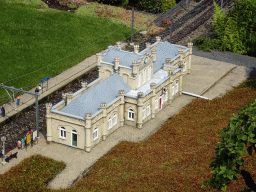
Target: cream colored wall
[[57, 124]]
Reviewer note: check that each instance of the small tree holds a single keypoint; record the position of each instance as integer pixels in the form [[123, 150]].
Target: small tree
[[240, 131]]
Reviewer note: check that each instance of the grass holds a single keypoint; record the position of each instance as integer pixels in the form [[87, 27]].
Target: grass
[[175, 158], [34, 37]]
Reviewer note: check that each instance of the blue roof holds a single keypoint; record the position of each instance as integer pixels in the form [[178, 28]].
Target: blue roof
[[126, 58], [164, 50], [90, 101]]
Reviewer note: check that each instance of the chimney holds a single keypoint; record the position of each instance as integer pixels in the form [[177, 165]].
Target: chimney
[[84, 84], [117, 59], [168, 61], [148, 45], [69, 97], [118, 44], [98, 59], [135, 67], [158, 39], [136, 49], [154, 54], [190, 45]]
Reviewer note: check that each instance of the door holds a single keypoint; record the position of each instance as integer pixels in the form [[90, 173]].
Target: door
[[160, 103], [74, 139]]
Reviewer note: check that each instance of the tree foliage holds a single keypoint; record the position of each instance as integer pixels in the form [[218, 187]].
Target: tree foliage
[[237, 29], [240, 131]]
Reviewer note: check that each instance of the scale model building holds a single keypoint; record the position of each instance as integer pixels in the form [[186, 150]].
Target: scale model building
[[131, 89]]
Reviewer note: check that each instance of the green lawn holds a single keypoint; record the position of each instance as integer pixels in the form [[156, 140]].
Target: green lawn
[[50, 41]]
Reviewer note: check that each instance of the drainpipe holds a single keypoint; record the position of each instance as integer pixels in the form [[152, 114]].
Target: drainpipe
[[192, 94]]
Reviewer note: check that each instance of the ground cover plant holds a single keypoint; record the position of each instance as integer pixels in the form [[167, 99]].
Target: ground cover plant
[[48, 41], [175, 158]]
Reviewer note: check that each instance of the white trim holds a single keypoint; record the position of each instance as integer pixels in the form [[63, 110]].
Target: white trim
[[64, 133], [130, 111], [72, 138], [139, 79], [149, 72], [166, 96], [95, 131], [144, 114], [110, 123], [148, 110], [144, 76], [184, 68], [156, 104], [114, 120], [173, 90]]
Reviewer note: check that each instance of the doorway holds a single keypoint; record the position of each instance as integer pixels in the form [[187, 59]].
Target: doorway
[[74, 138]]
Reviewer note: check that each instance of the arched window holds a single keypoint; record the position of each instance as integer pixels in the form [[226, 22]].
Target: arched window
[[114, 120], [109, 123], [95, 134], [149, 72], [62, 133], [148, 110], [130, 114], [184, 67], [139, 79]]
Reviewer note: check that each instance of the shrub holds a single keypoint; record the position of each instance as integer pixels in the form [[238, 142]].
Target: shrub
[[151, 6], [115, 2], [167, 4]]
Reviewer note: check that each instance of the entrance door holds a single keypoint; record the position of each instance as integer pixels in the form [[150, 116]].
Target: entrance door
[[160, 103], [74, 138]]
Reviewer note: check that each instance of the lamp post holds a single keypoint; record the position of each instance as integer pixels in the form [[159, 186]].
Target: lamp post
[[37, 124], [3, 139], [171, 29]]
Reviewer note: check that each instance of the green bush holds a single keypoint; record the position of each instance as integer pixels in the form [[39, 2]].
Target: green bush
[[208, 44], [237, 29], [115, 2], [167, 4], [151, 6]]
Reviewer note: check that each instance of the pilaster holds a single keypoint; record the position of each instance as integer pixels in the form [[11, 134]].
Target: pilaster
[[153, 98], [140, 109], [103, 106], [121, 107], [88, 126], [170, 85], [98, 60], [49, 121], [69, 97], [64, 98], [190, 45]]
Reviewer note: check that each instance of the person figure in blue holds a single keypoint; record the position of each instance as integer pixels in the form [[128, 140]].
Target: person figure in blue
[[3, 110]]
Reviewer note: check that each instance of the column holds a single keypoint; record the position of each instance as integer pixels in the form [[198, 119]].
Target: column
[[49, 121], [88, 126], [170, 85], [153, 98], [69, 97], [103, 106], [140, 109], [121, 108]]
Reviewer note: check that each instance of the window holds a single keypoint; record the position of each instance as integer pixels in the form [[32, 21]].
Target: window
[[63, 132], [95, 134], [139, 76], [144, 114], [166, 96], [177, 85], [173, 90], [130, 114], [114, 120], [149, 72], [156, 104], [109, 123], [144, 76], [184, 67], [148, 110]]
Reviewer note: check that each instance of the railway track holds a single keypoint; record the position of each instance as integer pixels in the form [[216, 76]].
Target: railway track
[[191, 27]]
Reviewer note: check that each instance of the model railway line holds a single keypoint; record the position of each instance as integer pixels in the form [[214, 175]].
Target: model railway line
[[191, 27]]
